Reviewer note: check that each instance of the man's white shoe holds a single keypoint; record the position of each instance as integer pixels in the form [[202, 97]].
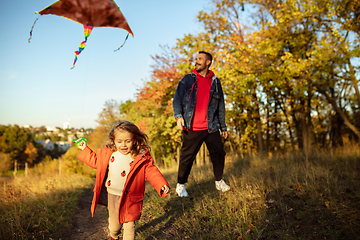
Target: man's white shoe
[[181, 190], [221, 185]]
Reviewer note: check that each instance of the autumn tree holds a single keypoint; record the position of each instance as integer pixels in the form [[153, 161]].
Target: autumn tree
[[289, 71], [106, 118], [154, 107], [31, 152], [274, 64]]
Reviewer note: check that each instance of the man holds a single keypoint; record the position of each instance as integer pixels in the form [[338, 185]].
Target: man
[[199, 110]]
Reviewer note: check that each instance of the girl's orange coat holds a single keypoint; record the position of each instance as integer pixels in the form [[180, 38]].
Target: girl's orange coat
[[133, 195]]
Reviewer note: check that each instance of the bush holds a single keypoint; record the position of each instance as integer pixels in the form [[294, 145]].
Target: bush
[[70, 163], [5, 162]]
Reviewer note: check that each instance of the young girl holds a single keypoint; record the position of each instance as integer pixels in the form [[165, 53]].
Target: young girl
[[121, 169]]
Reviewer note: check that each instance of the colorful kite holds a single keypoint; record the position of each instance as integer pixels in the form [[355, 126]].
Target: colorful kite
[[90, 13]]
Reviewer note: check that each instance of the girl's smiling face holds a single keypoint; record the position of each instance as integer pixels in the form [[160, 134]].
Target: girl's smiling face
[[123, 141]]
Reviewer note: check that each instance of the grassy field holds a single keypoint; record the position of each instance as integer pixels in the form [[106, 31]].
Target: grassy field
[[39, 205], [283, 198], [280, 198]]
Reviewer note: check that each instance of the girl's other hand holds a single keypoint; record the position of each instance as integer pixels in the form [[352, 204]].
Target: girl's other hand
[[165, 189]]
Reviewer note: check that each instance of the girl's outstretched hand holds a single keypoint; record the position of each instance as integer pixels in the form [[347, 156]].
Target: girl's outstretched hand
[[81, 144], [165, 189]]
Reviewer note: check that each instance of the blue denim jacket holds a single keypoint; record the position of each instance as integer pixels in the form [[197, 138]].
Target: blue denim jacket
[[185, 100]]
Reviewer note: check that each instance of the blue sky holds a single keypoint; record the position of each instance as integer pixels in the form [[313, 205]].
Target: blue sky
[[37, 86]]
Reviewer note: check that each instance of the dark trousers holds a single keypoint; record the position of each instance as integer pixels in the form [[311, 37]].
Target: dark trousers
[[192, 141]]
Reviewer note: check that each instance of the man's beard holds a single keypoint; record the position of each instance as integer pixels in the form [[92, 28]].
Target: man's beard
[[199, 68]]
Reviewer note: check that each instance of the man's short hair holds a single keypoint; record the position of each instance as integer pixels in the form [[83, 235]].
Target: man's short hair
[[208, 55]]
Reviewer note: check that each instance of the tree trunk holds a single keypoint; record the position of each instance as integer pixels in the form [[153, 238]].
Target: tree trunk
[[249, 149], [335, 131], [276, 128], [172, 159], [258, 124], [307, 124], [241, 146], [162, 155], [204, 153], [199, 157], [288, 121], [267, 146], [354, 81], [339, 111], [298, 125]]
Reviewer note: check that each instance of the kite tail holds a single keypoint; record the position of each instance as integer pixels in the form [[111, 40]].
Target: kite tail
[[87, 31], [32, 28], [123, 43]]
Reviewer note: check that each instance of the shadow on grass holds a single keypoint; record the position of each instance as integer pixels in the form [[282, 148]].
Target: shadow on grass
[[313, 211], [167, 225], [298, 215], [175, 208]]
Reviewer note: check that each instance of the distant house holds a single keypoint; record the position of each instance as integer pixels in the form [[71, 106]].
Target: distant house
[[47, 143], [63, 146], [50, 129]]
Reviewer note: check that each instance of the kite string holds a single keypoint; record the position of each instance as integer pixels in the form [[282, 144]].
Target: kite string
[[32, 28], [83, 102], [84, 92], [127, 36]]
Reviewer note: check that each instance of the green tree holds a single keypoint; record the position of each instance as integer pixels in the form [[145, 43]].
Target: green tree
[[14, 142]]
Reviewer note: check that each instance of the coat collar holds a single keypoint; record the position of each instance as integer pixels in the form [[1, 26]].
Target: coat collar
[[144, 152]]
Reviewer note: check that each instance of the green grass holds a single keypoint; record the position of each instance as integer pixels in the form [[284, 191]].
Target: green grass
[[284, 198]]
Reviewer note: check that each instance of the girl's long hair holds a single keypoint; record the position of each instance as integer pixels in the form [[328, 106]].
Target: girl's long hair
[[140, 139]]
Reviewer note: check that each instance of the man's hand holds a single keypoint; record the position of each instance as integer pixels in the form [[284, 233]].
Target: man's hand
[[224, 135], [180, 123]]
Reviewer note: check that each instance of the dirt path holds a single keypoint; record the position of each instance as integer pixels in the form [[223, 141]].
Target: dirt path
[[86, 227]]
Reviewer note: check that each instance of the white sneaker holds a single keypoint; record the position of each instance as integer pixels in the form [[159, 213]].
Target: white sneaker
[[181, 190], [221, 185]]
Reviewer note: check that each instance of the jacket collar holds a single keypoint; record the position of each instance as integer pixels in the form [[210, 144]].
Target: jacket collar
[[143, 153]]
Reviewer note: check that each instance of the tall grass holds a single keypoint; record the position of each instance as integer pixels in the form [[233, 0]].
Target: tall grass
[[289, 197], [39, 205], [298, 197]]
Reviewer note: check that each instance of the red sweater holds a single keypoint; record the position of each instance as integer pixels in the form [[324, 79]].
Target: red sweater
[[202, 100]]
